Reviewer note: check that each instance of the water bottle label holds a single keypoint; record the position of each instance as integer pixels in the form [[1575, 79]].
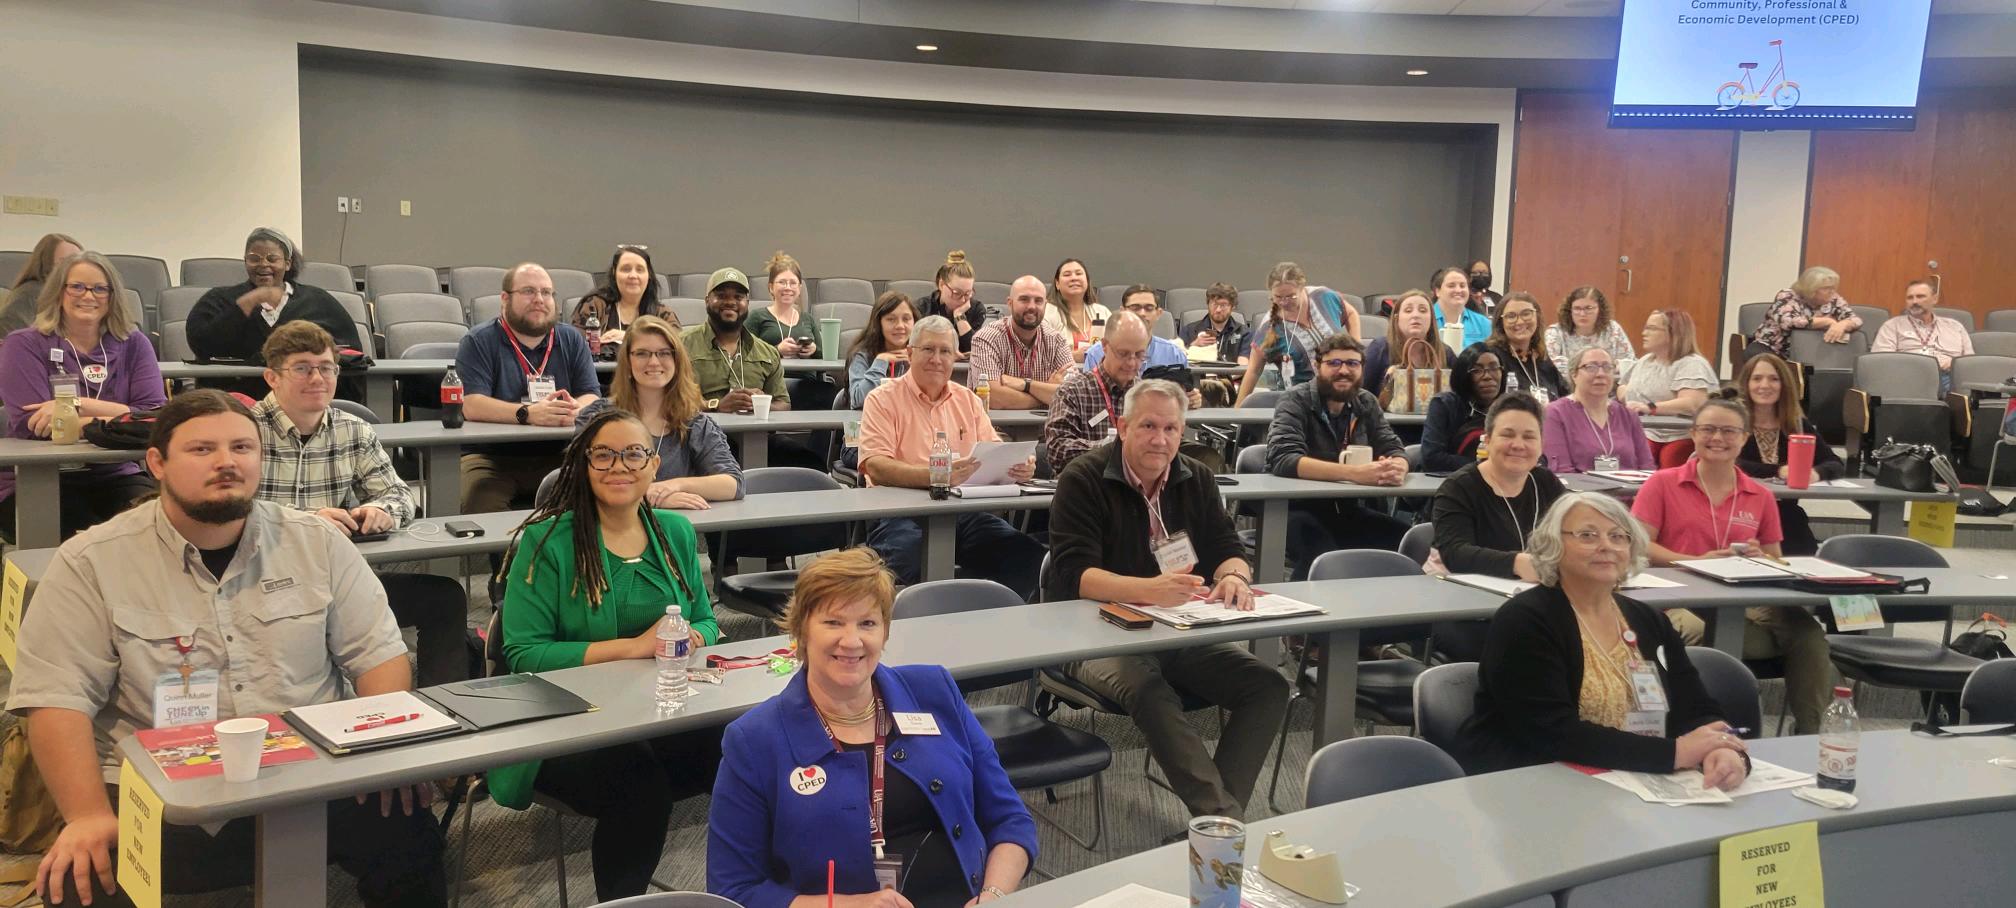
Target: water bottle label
[[1837, 761], [676, 648]]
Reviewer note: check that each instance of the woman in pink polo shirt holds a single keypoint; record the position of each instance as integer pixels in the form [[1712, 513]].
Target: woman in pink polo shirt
[[1707, 508]]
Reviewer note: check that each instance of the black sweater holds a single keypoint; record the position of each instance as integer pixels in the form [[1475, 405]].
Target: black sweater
[[1826, 464], [1450, 433], [976, 315], [1476, 529], [1097, 519], [1530, 682], [1521, 375], [218, 328]]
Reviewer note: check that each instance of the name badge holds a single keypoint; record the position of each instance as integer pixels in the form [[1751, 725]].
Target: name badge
[[56, 355], [538, 388], [915, 723], [1175, 555], [1648, 722], [1606, 463], [1646, 691], [174, 706], [889, 872], [1098, 419]]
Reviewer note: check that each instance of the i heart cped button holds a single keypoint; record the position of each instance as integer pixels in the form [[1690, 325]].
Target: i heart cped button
[[808, 780]]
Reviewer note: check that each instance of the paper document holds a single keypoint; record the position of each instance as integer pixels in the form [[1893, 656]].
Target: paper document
[[996, 459], [1510, 588], [1135, 895], [1770, 777], [1198, 613], [1635, 477], [1675, 788], [1735, 569], [348, 723], [1649, 582], [1003, 491], [1838, 484], [1806, 566]]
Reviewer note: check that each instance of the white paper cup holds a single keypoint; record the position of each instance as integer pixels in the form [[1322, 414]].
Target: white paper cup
[[1356, 455], [240, 744], [1452, 335], [761, 404]]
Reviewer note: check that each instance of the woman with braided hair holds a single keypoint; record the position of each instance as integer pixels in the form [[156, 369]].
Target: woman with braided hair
[[588, 580]]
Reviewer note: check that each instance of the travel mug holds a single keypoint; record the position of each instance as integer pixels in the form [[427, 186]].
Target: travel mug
[[1798, 461], [1217, 861]]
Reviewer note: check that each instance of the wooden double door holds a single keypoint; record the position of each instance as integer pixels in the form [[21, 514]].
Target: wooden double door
[[1642, 214]]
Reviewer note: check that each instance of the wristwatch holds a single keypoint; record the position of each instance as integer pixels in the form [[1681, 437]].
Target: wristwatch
[[524, 414]]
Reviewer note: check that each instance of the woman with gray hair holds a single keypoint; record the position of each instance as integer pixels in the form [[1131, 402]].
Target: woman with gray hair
[[1813, 301], [233, 322], [1572, 671]]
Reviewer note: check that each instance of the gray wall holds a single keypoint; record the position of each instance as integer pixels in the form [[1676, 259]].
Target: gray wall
[[503, 164]]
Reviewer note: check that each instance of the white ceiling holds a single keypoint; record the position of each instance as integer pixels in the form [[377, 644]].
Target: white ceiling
[[1525, 7]]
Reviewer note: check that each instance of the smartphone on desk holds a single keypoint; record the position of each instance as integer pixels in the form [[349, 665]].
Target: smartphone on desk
[[361, 538]]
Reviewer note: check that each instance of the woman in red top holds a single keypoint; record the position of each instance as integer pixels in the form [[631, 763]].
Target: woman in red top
[[1707, 508]]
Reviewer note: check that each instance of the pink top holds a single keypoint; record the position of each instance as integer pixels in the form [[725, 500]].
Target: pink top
[[898, 421], [1675, 507]]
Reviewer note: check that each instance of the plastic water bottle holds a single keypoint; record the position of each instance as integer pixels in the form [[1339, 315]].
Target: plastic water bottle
[[451, 399], [675, 648], [941, 467], [1840, 741]]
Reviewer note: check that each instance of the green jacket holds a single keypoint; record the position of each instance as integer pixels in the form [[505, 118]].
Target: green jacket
[[548, 625]]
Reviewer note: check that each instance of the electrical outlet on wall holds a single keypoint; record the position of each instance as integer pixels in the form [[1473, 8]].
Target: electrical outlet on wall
[[405, 208], [356, 205], [342, 204]]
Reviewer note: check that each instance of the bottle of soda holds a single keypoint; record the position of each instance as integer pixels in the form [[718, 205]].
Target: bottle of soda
[[1098, 330], [1840, 741], [592, 327], [675, 648], [981, 388], [451, 399], [941, 467]]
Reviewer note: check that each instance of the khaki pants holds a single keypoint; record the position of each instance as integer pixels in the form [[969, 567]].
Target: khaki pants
[[1780, 632], [1254, 694], [490, 482]]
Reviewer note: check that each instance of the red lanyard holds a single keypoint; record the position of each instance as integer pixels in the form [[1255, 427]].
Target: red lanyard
[[875, 774], [1027, 366], [522, 360], [1112, 417]]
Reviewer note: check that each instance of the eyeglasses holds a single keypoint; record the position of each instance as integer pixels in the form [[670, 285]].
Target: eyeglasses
[[1616, 538], [1144, 309], [1486, 370], [301, 371], [1287, 299], [100, 291], [254, 259], [1723, 431], [527, 293], [958, 295], [1598, 368], [1524, 315], [1341, 363], [636, 353], [635, 457]]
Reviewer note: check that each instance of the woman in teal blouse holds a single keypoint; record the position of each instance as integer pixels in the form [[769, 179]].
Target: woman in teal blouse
[[588, 581]]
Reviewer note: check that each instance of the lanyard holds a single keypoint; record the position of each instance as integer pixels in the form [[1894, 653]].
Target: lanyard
[[1609, 443], [1729, 523], [83, 370], [875, 775], [1112, 415], [1026, 367], [1925, 340], [525, 362], [1516, 525], [1532, 378], [184, 645]]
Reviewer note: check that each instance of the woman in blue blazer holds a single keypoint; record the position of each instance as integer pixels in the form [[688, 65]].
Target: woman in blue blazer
[[794, 786]]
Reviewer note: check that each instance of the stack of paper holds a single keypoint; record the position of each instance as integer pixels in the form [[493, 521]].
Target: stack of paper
[[1198, 613], [1690, 787], [1135, 895], [1510, 588]]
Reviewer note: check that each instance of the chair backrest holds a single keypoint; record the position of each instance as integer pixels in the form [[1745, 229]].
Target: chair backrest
[[207, 272], [1809, 347], [147, 275], [672, 900], [1252, 459], [1352, 564], [1964, 316], [1868, 550], [1444, 697], [471, 281], [175, 342], [570, 282], [1111, 295], [1254, 304], [1262, 400], [1750, 316], [357, 409], [328, 276], [400, 308], [688, 311], [950, 597], [433, 350], [847, 338], [382, 279], [1996, 343], [545, 486], [1872, 317], [11, 263], [1356, 767], [851, 315], [987, 293], [177, 302], [403, 336], [1998, 320], [353, 305], [1184, 299], [1983, 368], [1418, 539], [1413, 453], [135, 310], [1371, 326], [1733, 686], [801, 540], [484, 309], [693, 284], [1165, 325], [831, 290], [1989, 696], [915, 290], [1904, 376], [367, 340]]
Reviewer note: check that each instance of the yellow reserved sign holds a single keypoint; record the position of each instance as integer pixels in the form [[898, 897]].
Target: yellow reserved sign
[[139, 839], [1931, 522], [1773, 868], [13, 593]]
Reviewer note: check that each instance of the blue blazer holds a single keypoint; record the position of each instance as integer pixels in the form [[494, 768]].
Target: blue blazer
[[767, 844]]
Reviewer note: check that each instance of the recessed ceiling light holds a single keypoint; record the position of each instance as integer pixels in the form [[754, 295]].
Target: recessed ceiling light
[[1417, 72], [927, 48]]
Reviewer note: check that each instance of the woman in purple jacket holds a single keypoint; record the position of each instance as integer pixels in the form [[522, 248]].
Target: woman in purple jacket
[[82, 336]]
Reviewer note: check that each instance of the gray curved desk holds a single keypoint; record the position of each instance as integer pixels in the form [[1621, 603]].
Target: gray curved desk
[[1933, 828]]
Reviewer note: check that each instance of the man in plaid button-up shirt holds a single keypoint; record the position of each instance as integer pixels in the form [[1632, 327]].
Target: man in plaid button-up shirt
[[336, 469]]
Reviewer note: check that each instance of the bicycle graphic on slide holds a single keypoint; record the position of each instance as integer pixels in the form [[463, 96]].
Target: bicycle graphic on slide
[[1782, 92]]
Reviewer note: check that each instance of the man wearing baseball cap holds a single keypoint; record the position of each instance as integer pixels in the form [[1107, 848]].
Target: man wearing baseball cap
[[729, 362]]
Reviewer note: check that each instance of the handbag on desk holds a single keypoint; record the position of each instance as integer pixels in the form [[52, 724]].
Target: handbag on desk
[[1912, 468], [1409, 388]]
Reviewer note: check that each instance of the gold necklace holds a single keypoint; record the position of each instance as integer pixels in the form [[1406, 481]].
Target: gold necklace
[[850, 721]]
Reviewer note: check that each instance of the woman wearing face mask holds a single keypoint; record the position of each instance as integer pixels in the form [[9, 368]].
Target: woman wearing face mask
[[784, 323], [1516, 338], [1413, 319], [1074, 305], [1591, 430], [883, 350], [1452, 299], [1671, 379], [1585, 321], [629, 293], [1455, 423], [1298, 319], [1482, 297], [1765, 383]]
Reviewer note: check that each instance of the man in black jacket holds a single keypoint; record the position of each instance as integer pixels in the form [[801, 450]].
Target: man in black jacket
[[1137, 522], [233, 322], [1313, 424]]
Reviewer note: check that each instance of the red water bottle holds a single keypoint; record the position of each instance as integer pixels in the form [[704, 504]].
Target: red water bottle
[[451, 399], [1798, 461]]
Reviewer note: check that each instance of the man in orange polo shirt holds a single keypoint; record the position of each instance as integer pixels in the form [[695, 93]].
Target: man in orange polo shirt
[[899, 423]]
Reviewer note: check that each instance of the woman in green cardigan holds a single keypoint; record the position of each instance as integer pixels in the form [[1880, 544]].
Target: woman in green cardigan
[[592, 574]]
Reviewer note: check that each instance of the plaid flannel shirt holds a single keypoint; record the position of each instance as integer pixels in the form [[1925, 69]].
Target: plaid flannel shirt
[[341, 464]]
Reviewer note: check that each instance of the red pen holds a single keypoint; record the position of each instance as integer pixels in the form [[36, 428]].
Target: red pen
[[829, 884], [380, 723]]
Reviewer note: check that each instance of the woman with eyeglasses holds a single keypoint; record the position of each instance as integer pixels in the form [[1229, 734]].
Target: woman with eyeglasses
[[784, 323], [588, 580], [654, 380], [1583, 321], [1455, 424], [19, 310], [629, 293], [1572, 671], [1671, 379], [84, 340], [1298, 319], [1522, 349], [953, 298], [1591, 430], [233, 322], [1707, 508]]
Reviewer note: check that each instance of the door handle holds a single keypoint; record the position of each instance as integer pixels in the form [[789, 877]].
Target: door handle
[[1627, 280]]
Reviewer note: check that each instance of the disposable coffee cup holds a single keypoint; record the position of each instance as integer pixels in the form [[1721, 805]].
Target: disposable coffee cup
[[761, 404], [240, 745], [1217, 861], [1452, 337], [1356, 455]]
